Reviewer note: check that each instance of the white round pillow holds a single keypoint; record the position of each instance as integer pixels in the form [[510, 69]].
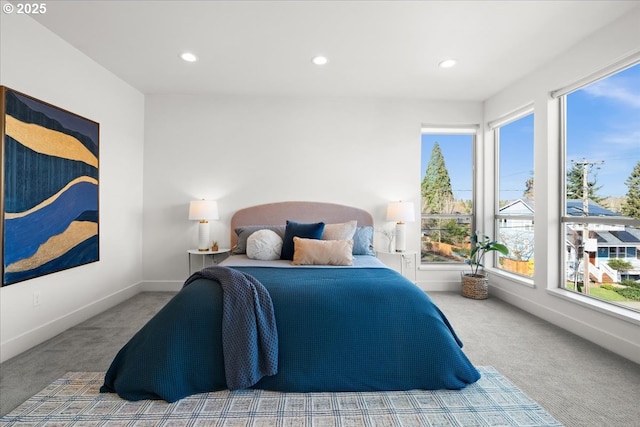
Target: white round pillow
[[264, 245]]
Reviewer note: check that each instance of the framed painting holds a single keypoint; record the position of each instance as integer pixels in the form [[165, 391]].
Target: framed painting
[[49, 183]]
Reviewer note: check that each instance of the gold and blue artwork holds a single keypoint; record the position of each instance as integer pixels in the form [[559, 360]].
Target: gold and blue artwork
[[50, 182]]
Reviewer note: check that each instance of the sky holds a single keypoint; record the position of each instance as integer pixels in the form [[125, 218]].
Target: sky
[[603, 125], [516, 157]]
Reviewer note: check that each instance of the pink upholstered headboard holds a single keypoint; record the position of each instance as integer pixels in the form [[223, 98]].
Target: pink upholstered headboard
[[279, 213]]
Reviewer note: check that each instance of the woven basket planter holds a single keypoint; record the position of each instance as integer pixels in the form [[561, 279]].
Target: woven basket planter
[[475, 287]]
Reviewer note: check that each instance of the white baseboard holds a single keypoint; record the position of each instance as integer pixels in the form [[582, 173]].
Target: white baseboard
[[29, 339], [161, 286], [441, 286]]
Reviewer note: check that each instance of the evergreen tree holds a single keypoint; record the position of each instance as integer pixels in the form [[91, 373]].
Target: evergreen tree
[[575, 185], [437, 196], [631, 206]]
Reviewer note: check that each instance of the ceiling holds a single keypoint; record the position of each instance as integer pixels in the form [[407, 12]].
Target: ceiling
[[375, 48]]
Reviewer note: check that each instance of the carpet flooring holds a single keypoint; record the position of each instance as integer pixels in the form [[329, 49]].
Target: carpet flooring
[[74, 400]]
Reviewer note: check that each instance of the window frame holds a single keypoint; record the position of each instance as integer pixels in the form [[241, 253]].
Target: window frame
[[473, 131], [560, 95], [495, 126]]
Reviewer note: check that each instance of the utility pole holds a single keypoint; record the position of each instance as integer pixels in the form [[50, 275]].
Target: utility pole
[[586, 165]]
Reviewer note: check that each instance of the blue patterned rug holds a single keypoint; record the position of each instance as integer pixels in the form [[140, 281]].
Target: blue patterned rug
[[74, 400]]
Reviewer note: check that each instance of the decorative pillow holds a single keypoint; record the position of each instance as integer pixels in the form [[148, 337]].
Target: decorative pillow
[[343, 231], [296, 229], [244, 232], [264, 245], [363, 241], [322, 252]]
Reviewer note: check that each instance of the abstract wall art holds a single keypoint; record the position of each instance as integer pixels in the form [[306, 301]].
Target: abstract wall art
[[49, 183]]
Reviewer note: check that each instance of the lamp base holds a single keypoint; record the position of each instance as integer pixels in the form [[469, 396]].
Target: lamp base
[[203, 236], [401, 237]]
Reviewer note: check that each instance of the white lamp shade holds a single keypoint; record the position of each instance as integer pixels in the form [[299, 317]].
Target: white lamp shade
[[400, 212], [203, 209]]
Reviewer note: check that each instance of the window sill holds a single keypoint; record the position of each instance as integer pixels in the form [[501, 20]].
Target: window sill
[[619, 312], [515, 279], [492, 272], [442, 266]]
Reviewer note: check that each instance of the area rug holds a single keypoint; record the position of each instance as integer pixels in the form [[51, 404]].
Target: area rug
[[74, 400]]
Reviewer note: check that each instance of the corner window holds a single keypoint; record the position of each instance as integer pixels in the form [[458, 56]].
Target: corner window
[[601, 204], [515, 192], [447, 183]]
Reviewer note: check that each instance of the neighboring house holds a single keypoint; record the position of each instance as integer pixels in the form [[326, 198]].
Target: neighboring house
[[522, 207], [516, 230], [612, 240]]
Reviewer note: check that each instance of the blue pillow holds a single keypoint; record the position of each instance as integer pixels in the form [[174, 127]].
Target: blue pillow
[[363, 241], [296, 229]]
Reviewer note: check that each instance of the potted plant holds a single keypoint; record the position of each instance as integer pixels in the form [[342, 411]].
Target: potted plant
[[475, 284]]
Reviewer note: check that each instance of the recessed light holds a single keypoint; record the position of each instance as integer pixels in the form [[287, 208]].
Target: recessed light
[[188, 56], [320, 60], [447, 63]]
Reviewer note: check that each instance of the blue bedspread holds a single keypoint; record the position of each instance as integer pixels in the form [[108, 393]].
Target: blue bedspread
[[342, 329]]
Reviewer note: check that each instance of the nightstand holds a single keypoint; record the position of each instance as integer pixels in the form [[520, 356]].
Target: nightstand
[[203, 254], [403, 262]]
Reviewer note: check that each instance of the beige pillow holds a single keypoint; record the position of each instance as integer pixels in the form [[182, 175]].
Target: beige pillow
[[322, 252], [342, 231]]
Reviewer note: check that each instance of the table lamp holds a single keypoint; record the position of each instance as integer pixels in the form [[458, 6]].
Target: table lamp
[[400, 212], [203, 210]]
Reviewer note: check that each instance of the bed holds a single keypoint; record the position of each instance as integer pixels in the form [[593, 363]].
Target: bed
[[306, 323]]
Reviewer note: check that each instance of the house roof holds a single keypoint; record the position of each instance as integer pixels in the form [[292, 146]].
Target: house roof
[[629, 237], [575, 208], [521, 206]]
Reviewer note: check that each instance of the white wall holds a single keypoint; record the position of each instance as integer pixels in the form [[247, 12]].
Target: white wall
[[580, 315], [37, 62], [244, 151]]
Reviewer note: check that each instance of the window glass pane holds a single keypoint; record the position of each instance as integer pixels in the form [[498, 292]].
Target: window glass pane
[[445, 239], [516, 162], [602, 182], [516, 195], [447, 173], [610, 263], [602, 129], [447, 196]]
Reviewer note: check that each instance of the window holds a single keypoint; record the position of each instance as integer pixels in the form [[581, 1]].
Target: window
[[601, 204], [447, 193], [515, 191]]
